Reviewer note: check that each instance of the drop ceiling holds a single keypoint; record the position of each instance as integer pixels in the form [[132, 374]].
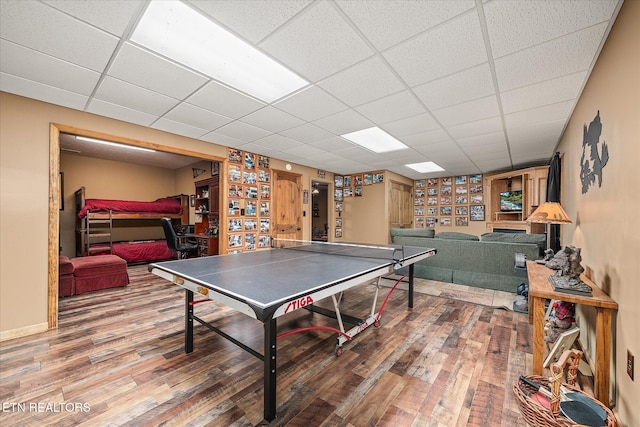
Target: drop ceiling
[[474, 86]]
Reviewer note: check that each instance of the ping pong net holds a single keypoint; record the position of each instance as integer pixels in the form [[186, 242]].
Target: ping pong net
[[388, 253]]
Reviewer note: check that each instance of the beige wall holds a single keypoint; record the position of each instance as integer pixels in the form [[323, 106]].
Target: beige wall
[[605, 219]]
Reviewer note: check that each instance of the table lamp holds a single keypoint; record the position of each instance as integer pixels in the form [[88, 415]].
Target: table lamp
[[549, 213]]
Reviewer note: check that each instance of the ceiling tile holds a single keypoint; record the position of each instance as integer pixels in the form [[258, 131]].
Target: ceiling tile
[[197, 117], [473, 83], [178, 128], [411, 125], [39, 27], [344, 122], [333, 144], [242, 131], [394, 107], [559, 57], [115, 111], [520, 24], [317, 43], [254, 19], [272, 119], [457, 45], [311, 104], [386, 23], [544, 93], [478, 127], [217, 138], [130, 96], [478, 109], [113, 16], [369, 80], [148, 70], [548, 113], [41, 92], [32, 65], [306, 133], [278, 142], [225, 101]]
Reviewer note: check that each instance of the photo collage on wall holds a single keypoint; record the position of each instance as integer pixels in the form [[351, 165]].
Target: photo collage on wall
[[346, 186], [249, 202], [449, 201]]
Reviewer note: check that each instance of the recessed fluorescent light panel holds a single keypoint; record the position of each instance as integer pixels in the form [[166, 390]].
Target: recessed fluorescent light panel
[[375, 139], [113, 144], [176, 31], [425, 167]]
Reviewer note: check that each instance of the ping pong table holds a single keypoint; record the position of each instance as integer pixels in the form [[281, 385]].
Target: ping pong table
[[268, 284]]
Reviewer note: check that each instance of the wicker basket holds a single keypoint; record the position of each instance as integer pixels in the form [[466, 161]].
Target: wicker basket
[[539, 416]]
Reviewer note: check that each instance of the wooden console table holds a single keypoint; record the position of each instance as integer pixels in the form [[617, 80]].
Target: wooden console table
[[540, 290]]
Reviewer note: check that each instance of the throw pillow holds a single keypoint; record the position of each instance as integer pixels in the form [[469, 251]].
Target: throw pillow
[[452, 235], [412, 232]]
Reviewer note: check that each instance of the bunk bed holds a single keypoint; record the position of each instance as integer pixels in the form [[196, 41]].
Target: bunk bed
[[96, 219]]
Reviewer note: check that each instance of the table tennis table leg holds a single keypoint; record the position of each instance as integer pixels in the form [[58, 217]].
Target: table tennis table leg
[[270, 338], [188, 321], [410, 296]]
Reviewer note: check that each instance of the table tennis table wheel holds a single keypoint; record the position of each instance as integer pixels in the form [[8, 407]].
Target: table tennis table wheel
[[376, 323], [338, 351]]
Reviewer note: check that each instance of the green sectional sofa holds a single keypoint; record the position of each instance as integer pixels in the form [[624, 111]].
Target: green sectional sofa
[[485, 262]]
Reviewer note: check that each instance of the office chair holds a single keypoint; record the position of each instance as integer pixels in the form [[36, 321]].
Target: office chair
[[182, 249]]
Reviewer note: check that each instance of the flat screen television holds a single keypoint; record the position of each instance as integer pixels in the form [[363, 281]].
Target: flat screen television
[[511, 201]]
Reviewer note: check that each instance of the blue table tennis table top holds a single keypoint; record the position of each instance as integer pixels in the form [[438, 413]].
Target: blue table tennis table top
[[269, 277]]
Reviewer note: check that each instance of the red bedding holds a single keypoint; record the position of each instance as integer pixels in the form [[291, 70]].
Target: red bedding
[[166, 205], [141, 251]]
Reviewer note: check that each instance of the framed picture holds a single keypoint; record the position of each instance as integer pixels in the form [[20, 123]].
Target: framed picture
[[367, 179], [476, 212], [264, 241], [265, 192], [192, 200], [418, 201], [477, 188], [235, 224], [249, 177], [249, 160], [235, 190], [234, 207], [461, 200], [445, 210], [475, 179], [461, 179], [445, 200], [251, 192], [264, 209], [420, 222], [357, 190], [346, 181], [338, 232], [235, 173], [378, 177], [420, 183], [250, 241], [476, 199], [462, 210], [265, 225], [461, 189], [357, 179], [432, 191], [338, 222], [347, 192], [462, 221], [339, 207], [432, 182], [263, 162], [445, 191], [251, 224], [430, 222], [432, 210], [418, 212], [446, 181], [251, 208], [215, 168], [235, 156], [235, 240], [264, 176], [432, 201], [337, 195], [445, 222], [338, 181]]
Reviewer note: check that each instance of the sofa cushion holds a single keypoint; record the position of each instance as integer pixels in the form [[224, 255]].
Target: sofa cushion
[[412, 232], [452, 235], [537, 239], [64, 265]]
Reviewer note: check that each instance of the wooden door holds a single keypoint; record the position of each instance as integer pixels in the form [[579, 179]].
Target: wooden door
[[287, 206], [400, 205]]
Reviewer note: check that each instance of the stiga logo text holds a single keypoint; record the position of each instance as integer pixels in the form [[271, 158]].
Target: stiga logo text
[[299, 303]]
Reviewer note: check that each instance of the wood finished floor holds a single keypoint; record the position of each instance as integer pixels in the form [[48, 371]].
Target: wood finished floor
[[120, 353]]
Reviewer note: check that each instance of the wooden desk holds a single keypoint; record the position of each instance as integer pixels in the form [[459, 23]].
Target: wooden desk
[[539, 290]]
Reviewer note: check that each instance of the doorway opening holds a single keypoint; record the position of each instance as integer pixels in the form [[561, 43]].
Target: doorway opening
[[319, 211]]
